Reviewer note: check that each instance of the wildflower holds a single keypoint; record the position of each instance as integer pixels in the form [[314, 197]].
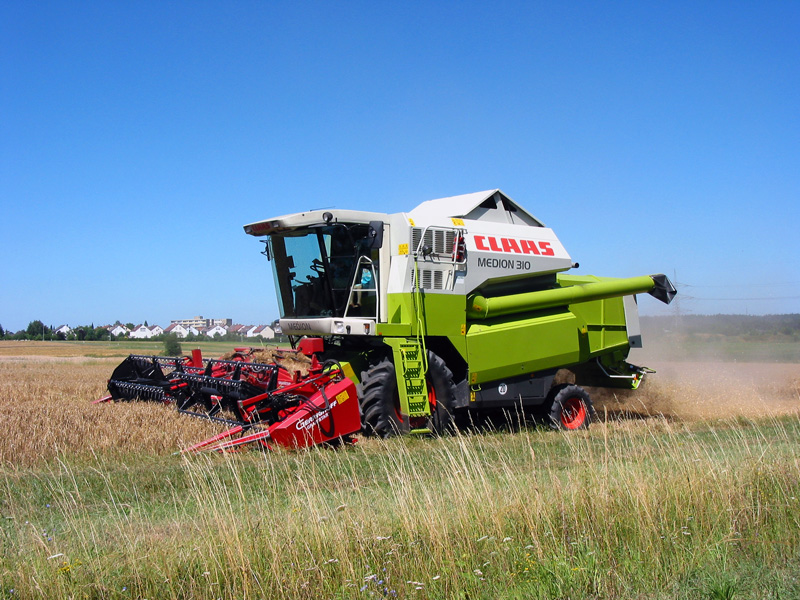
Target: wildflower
[[66, 567]]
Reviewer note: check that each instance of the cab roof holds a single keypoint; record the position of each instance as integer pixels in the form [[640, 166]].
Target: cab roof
[[489, 205]]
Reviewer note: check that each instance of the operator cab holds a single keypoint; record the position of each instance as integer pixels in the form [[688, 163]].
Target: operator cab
[[326, 271]]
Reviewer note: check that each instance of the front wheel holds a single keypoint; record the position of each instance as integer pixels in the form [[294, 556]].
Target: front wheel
[[380, 400], [571, 408]]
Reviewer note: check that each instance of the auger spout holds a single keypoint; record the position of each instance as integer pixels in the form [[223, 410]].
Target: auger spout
[[480, 307]]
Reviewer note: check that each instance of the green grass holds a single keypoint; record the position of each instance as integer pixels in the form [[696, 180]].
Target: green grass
[[628, 510]]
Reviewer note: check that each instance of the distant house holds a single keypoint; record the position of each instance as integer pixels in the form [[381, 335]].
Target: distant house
[[238, 329], [178, 330], [140, 332], [118, 330], [143, 332], [264, 331], [65, 329], [216, 330]]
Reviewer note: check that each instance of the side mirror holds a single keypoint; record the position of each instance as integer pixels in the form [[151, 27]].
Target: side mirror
[[375, 234]]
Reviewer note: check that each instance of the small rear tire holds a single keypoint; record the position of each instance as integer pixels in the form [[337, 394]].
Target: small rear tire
[[571, 408], [441, 395]]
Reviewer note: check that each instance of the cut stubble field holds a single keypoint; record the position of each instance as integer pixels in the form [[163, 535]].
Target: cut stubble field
[[687, 488]]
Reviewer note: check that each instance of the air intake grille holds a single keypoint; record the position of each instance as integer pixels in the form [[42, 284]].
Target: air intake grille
[[430, 279], [440, 241]]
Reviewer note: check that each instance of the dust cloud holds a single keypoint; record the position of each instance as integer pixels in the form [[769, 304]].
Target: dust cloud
[[702, 389]]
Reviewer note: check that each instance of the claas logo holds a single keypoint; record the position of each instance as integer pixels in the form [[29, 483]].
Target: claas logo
[[490, 243]]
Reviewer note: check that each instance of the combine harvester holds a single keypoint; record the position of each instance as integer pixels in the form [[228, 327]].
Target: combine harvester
[[414, 322]]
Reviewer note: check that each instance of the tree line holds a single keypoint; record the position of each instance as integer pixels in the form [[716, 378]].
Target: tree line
[[746, 327], [37, 330]]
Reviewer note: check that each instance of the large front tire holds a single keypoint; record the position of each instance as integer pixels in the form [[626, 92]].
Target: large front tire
[[380, 401]]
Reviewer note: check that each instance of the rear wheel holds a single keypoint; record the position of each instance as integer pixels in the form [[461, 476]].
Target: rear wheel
[[571, 408], [441, 395], [380, 399]]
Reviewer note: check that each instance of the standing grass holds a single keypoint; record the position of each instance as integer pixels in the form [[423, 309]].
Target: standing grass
[[651, 512], [94, 504]]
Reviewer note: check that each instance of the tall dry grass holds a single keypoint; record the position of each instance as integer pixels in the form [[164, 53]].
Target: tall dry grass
[[661, 511], [46, 410]]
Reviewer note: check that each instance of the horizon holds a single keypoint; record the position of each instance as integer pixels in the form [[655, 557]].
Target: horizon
[[269, 323]]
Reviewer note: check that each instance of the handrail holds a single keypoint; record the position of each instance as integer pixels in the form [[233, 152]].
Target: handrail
[[364, 260]]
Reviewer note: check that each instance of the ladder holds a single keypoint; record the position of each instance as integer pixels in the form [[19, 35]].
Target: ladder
[[410, 367]]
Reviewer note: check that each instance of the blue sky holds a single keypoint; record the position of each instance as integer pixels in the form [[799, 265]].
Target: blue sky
[[137, 138]]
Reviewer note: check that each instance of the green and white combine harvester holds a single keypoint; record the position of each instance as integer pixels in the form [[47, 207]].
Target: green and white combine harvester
[[463, 306], [412, 322]]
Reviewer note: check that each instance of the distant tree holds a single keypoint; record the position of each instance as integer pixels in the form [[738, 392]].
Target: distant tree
[[172, 347], [130, 326], [2, 331], [36, 328]]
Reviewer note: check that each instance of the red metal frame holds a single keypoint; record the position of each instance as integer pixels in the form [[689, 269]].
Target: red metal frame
[[270, 405]]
